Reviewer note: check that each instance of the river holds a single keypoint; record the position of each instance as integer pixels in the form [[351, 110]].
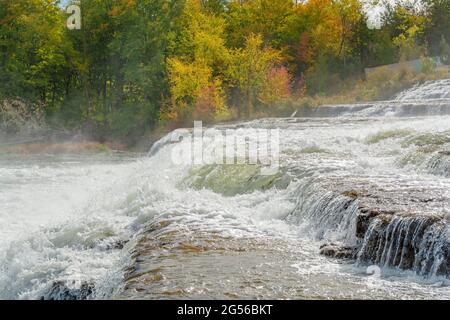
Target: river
[[143, 227]]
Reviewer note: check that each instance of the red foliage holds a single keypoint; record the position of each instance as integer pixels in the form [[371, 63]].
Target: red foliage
[[206, 104], [277, 86]]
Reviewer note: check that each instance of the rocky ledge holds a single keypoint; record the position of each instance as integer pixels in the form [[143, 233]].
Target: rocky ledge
[[398, 226]]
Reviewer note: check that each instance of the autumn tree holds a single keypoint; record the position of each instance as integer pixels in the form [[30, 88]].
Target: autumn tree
[[249, 69], [197, 70], [406, 25], [265, 17], [276, 86]]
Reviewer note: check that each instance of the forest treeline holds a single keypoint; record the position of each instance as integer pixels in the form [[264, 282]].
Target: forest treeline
[[135, 64]]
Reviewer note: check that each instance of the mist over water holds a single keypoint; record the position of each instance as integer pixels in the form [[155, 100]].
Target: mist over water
[[142, 227]]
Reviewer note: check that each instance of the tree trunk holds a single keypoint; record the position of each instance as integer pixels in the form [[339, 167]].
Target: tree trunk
[[249, 102]]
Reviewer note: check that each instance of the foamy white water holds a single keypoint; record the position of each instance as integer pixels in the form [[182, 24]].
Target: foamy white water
[[56, 215]]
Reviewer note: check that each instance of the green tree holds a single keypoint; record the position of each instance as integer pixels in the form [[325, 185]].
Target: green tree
[[264, 17], [445, 51], [35, 56], [438, 23], [123, 74]]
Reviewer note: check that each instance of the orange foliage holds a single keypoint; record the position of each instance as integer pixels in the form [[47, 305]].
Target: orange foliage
[[121, 8], [206, 104], [305, 52], [277, 86]]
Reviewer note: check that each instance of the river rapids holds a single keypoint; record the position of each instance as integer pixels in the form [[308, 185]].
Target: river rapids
[[359, 208]]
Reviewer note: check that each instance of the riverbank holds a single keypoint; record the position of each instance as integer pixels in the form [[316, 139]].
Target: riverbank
[[381, 85]]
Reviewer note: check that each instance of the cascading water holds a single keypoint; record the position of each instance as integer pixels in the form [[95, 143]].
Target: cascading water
[[415, 243], [431, 90], [368, 183], [429, 99]]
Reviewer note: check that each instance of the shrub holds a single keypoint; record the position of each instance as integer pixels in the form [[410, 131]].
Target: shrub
[[276, 87], [208, 103], [17, 116]]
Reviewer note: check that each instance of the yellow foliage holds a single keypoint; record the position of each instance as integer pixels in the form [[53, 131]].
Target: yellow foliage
[[203, 35], [187, 79], [192, 85], [251, 63]]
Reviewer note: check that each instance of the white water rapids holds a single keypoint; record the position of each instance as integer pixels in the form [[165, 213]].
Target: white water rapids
[[142, 227]]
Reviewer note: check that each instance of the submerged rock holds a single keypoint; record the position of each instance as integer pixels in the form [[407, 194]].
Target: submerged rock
[[231, 180], [338, 252], [61, 290]]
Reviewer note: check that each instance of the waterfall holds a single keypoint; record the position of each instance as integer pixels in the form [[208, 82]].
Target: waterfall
[[429, 99], [330, 215], [416, 243], [430, 90]]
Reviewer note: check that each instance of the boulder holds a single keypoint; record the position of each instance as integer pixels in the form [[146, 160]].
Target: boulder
[[61, 290]]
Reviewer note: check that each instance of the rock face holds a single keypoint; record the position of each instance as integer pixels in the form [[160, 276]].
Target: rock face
[[405, 228], [364, 219], [408, 243], [62, 291], [386, 239]]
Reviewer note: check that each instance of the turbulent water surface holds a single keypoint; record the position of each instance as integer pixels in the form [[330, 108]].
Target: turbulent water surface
[[372, 179]]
